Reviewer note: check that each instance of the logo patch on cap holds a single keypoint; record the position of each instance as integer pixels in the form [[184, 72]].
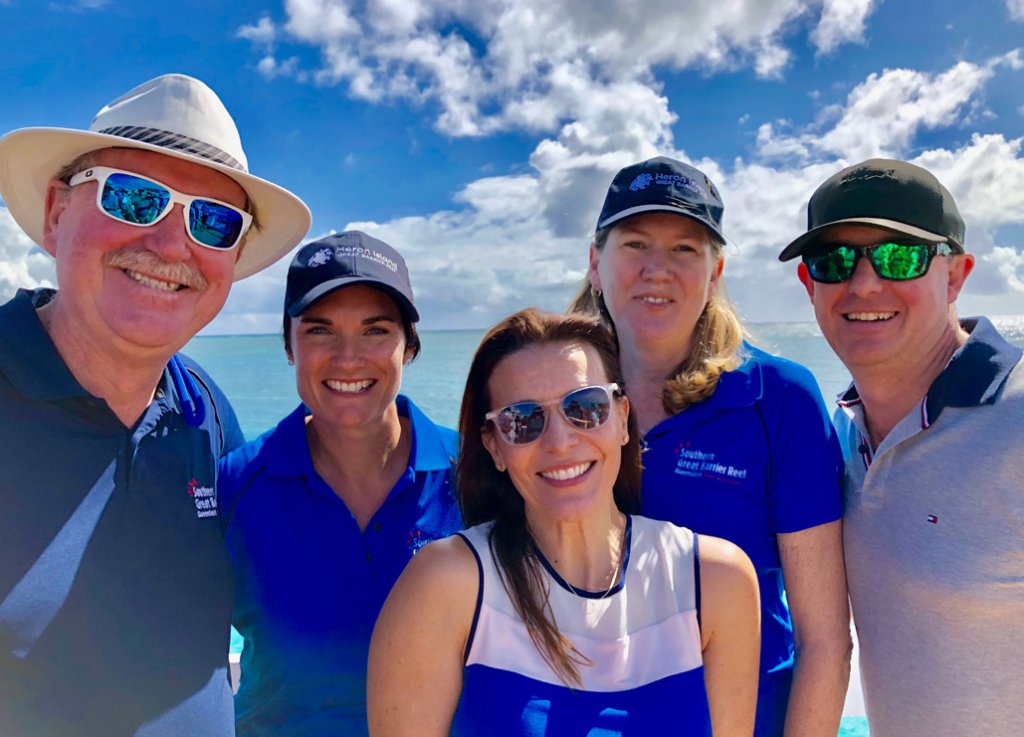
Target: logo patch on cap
[[641, 182], [321, 257]]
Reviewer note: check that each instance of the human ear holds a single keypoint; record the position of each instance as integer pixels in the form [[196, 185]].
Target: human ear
[[960, 267], [493, 446], [57, 194], [805, 279], [593, 275]]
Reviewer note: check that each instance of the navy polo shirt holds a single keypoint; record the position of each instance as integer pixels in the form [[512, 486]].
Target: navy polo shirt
[[115, 589], [758, 457], [310, 583]]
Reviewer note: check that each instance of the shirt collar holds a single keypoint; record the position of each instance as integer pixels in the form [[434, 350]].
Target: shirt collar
[[973, 376], [31, 361], [742, 386], [976, 372], [289, 453], [428, 450]]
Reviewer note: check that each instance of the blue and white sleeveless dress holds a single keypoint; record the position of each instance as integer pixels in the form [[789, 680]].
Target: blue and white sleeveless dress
[[643, 638]]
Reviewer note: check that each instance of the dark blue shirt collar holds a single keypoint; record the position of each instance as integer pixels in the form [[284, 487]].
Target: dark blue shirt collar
[[36, 369], [31, 361], [974, 375]]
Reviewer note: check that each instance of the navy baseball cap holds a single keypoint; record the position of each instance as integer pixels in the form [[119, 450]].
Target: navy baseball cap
[[884, 193], [662, 184], [344, 259]]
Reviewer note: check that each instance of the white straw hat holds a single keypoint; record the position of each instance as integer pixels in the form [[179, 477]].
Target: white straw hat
[[174, 115]]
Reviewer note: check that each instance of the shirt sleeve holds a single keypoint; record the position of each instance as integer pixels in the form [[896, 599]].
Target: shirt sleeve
[[805, 486]]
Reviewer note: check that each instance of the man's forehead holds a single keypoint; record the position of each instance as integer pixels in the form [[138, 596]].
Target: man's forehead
[[167, 169]]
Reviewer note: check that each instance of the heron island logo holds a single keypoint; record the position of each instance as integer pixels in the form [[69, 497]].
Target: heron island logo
[[641, 182], [320, 258]]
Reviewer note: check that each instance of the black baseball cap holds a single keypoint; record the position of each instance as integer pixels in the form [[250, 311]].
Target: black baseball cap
[[662, 184], [344, 259], [885, 193]]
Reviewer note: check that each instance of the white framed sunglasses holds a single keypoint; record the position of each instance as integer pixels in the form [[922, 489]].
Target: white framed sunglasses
[[140, 201], [586, 408]]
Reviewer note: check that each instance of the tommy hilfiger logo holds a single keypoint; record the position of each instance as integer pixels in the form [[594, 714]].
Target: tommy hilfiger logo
[[205, 499]]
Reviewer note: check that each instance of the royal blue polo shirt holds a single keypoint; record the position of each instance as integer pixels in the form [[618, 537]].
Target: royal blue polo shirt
[[115, 589], [310, 583], [757, 458]]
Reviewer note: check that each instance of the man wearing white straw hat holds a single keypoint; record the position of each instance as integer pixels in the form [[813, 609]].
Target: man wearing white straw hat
[[115, 590]]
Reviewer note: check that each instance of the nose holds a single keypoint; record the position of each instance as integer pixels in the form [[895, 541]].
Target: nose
[[655, 266], [346, 353], [559, 433], [168, 238], [864, 280]]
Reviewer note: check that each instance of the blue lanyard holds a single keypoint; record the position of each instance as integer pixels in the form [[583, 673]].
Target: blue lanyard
[[191, 397]]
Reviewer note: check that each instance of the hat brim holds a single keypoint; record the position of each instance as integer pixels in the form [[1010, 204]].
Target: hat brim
[[642, 209], [297, 307], [31, 157], [801, 244]]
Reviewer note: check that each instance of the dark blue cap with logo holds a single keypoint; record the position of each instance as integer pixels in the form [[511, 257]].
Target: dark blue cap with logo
[[342, 260], [662, 184]]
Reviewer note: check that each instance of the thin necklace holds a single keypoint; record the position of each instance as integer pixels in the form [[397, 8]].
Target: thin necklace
[[615, 572]]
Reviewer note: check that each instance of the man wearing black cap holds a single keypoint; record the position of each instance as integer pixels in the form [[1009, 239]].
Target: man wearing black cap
[[932, 430]]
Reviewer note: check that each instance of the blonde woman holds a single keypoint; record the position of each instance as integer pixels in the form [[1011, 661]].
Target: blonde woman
[[738, 442]]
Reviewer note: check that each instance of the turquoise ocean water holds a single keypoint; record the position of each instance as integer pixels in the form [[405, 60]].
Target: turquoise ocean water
[[253, 372]]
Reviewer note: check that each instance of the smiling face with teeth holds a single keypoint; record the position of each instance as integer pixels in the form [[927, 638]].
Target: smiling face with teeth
[[568, 473], [882, 327], [349, 349], [131, 291], [657, 272]]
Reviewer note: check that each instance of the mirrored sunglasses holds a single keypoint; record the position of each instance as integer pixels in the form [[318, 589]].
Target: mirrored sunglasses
[[892, 261], [136, 200], [523, 422]]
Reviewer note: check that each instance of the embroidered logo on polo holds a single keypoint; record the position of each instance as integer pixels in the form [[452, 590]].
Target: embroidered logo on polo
[[706, 464], [416, 540], [204, 498]]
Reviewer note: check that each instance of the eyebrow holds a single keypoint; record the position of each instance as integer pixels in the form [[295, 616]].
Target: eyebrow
[[368, 321]]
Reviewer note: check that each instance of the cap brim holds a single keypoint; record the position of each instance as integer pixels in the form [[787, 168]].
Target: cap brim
[[31, 157], [802, 243], [642, 209], [332, 285]]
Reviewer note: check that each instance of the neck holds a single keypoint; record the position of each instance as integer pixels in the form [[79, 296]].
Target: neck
[[124, 379], [889, 394], [645, 367], [586, 553], [361, 464]]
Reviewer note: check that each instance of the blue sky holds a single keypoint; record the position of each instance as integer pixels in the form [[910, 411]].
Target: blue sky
[[478, 136]]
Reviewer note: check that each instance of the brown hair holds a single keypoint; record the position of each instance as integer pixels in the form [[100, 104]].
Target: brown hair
[[486, 494], [715, 346]]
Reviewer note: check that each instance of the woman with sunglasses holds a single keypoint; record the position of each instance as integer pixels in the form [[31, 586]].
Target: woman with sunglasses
[[738, 443], [559, 613], [322, 513]]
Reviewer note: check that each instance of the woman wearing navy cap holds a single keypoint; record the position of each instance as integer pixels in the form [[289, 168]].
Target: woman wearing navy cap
[[322, 513], [738, 442]]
